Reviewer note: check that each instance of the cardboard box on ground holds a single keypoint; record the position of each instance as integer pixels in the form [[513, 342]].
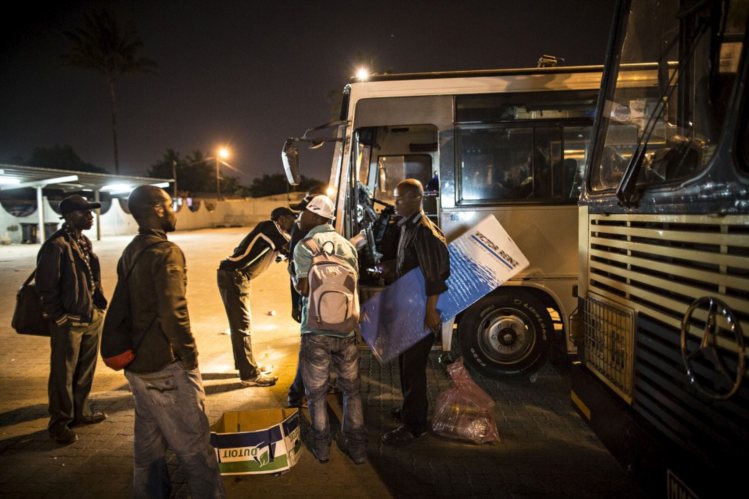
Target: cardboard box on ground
[[257, 442]]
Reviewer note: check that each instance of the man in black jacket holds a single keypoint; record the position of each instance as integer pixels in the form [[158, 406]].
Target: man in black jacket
[[164, 378], [251, 258], [68, 278], [422, 245]]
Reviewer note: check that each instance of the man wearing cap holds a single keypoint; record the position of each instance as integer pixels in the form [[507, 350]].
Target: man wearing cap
[[322, 350], [235, 273], [68, 278]]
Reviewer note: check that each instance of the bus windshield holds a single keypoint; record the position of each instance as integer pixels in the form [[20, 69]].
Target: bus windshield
[[667, 132]]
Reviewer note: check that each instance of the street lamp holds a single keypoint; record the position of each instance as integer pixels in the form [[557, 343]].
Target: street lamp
[[221, 154]]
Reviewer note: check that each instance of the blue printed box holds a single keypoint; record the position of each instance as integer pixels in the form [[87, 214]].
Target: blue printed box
[[257, 442]]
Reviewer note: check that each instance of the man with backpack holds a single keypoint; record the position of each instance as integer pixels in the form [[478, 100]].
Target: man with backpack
[[164, 378], [326, 271]]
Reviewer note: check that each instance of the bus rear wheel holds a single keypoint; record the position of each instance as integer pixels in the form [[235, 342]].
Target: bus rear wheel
[[507, 333]]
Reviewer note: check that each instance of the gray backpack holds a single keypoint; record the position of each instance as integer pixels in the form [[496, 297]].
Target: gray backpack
[[333, 301]]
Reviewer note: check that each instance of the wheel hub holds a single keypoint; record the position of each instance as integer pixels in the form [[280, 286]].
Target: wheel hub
[[506, 335]]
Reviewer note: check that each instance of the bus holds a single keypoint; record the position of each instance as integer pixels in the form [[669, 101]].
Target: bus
[[664, 251], [511, 143]]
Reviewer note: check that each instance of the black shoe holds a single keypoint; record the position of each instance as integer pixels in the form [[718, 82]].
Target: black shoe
[[63, 435], [402, 435], [93, 418], [321, 452], [396, 413], [356, 451]]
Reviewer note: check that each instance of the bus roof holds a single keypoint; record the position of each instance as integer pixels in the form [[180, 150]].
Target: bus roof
[[479, 72]]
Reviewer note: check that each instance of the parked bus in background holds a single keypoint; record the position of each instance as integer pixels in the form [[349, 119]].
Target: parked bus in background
[[664, 251], [511, 143]]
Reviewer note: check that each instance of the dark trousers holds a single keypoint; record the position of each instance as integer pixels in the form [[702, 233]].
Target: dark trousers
[[413, 370], [235, 293], [71, 374]]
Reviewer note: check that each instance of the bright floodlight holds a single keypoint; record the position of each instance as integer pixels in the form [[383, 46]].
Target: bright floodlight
[[9, 181], [362, 74], [117, 188], [330, 191], [224, 153]]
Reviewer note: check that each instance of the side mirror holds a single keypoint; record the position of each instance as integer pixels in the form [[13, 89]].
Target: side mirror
[[290, 159]]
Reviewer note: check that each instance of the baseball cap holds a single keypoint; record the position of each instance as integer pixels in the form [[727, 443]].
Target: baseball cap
[[76, 202], [322, 205], [281, 211]]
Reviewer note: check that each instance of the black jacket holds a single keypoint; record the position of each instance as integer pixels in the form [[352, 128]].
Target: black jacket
[[422, 245], [69, 288], [257, 250], [158, 305]]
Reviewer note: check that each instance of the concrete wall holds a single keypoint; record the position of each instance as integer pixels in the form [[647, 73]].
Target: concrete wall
[[116, 221]]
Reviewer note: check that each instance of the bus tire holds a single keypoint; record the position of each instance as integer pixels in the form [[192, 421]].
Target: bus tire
[[504, 334]]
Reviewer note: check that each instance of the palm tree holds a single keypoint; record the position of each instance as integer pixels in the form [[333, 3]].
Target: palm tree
[[103, 46]]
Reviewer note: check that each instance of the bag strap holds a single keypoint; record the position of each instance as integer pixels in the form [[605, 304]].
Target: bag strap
[[123, 283], [29, 279], [312, 245], [137, 257]]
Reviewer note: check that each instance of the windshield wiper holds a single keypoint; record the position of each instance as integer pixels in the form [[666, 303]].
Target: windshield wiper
[[625, 191]]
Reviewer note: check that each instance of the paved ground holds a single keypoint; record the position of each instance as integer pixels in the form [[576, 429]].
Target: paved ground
[[546, 449]]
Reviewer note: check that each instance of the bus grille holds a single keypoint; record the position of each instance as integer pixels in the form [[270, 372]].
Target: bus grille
[[608, 347], [658, 265]]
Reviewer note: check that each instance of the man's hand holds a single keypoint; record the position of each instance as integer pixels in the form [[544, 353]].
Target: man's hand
[[432, 318]]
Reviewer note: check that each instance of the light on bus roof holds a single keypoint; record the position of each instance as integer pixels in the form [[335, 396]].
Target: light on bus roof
[[362, 74]]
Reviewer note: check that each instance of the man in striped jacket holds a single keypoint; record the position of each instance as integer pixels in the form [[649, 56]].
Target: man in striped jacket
[[235, 273]]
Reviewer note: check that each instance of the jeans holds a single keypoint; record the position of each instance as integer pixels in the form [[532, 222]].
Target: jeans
[[317, 354], [170, 412], [296, 390], [72, 365], [235, 293]]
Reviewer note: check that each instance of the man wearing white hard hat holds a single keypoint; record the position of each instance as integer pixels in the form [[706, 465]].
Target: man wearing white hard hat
[[323, 348]]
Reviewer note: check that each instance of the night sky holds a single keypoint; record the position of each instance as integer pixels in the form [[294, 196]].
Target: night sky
[[250, 73]]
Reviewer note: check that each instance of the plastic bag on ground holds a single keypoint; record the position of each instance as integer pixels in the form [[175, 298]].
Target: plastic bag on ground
[[465, 411]]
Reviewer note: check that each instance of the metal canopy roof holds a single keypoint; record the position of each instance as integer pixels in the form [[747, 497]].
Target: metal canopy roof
[[17, 176]]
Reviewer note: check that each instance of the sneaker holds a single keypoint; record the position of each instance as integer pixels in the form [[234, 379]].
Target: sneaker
[[63, 435], [259, 380], [402, 435], [265, 369], [93, 418]]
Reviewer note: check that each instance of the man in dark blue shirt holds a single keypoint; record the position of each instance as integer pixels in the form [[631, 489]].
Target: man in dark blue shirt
[[250, 259]]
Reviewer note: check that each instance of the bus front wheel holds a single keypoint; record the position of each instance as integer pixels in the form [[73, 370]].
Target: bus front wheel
[[507, 333]]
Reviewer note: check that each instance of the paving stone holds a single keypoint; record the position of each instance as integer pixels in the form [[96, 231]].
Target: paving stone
[[546, 450]]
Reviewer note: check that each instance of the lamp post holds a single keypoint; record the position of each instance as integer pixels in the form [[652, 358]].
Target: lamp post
[[222, 153], [174, 176]]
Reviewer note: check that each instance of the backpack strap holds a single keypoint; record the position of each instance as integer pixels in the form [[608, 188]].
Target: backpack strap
[[137, 257], [136, 344], [312, 245], [29, 278]]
